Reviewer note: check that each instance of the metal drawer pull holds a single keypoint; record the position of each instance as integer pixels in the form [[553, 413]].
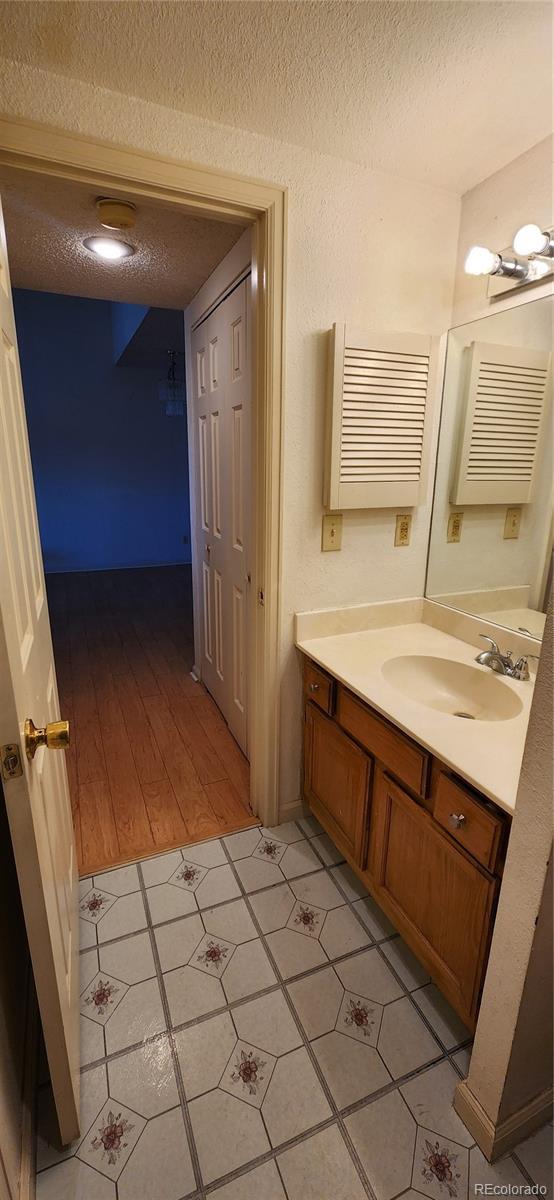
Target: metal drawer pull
[[314, 687], [457, 820]]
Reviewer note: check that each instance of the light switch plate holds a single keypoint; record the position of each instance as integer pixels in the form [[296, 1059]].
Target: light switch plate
[[331, 531], [454, 530], [403, 529], [512, 523]]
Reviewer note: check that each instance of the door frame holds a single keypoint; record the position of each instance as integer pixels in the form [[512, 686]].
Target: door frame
[[218, 195]]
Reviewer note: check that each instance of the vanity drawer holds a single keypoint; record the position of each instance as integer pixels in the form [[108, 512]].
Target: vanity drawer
[[318, 686], [403, 758], [479, 831]]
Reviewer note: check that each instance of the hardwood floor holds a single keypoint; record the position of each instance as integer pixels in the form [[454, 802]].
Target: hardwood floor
[[151, 763]]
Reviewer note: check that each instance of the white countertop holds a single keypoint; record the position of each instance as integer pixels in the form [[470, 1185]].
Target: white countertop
[[518, 618], [487, 754]]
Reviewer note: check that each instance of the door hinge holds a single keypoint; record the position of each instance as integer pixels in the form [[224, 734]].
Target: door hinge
[[261, 598], [11, 761]]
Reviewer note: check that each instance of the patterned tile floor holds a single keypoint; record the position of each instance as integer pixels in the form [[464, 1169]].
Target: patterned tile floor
[[252, 1028]]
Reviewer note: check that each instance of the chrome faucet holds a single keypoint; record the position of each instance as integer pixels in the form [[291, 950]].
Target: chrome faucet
[[504, 664]]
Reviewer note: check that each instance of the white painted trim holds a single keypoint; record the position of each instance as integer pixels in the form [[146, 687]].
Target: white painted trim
[[497, 1140], [294, 810], [222, 196]]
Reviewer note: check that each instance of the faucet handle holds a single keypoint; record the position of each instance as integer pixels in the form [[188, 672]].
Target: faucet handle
[[521, 668], [493, 644]]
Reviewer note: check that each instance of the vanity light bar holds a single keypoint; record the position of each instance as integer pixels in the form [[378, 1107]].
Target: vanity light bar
[[532, 261]]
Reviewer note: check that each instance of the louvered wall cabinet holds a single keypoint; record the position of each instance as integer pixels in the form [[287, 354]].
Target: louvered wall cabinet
[[379, 391], [505, 405]]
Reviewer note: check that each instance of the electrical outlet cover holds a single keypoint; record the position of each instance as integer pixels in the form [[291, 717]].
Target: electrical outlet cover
[[331, 531], [512, 522], [403, 529], [454, 530]]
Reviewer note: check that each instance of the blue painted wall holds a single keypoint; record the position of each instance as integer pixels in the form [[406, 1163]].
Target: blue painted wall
[[110, 468], [126, 319]]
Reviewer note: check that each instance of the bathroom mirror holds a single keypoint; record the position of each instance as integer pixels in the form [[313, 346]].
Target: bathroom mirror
[[490, 547]]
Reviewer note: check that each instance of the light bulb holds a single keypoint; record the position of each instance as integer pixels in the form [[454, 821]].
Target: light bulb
[[538, 268], [481, 261], [109, 248], [530, 239]]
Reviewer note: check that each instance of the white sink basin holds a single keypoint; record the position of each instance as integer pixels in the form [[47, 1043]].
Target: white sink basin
[[452, 687]]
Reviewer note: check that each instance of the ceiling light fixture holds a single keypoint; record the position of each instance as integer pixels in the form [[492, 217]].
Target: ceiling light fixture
[[111, 249], [531, 239], [482, 261]]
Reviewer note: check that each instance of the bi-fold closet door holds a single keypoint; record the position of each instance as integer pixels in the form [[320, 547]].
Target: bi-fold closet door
[[221, 385]]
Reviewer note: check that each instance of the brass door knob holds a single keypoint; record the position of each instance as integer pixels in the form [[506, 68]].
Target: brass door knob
[[55, 736]]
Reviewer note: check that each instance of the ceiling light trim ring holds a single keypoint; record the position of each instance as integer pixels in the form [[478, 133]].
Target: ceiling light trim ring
[[109, 249]]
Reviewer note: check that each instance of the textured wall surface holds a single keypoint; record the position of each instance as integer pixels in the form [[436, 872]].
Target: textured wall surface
[[345, 262], [110, 468], [428, 91], [508, 1010], [493, 211], [530, 1067]]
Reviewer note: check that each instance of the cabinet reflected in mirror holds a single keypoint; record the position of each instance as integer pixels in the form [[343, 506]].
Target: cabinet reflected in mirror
[[490, 547]]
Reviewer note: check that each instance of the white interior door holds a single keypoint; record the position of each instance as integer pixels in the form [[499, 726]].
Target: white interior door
[[221, 383], [37, 800]]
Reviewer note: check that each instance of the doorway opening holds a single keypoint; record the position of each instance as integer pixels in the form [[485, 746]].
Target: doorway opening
[[150, 642]]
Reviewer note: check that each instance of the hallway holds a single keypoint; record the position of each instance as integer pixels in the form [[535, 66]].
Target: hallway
[[151, 764]]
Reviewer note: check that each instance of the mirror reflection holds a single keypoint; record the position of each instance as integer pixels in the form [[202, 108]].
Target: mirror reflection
[[490, 549]]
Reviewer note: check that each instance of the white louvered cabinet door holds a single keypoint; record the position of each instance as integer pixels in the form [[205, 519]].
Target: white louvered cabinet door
[[505, 405], [380, 385]]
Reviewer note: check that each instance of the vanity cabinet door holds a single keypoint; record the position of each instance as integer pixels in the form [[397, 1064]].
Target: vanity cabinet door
[[436, 896], [336, 783]]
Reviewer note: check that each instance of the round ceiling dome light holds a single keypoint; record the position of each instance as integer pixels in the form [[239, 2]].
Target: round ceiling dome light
[[115, 214], [111, 249]]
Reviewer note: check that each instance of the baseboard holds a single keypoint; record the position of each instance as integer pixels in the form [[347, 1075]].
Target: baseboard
[[292, 811], [178, 562], [27, 1178], [497, 1140]]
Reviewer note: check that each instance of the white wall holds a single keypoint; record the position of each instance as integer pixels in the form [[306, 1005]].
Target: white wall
[[362, 247], [515, 1025], [511, 1027]]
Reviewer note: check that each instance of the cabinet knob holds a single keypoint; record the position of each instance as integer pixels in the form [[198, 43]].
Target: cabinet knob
[[314, 687], [457, 820]]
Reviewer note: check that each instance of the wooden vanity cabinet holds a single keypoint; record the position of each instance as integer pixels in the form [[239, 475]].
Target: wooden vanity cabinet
[[428, 848], [439, 899], [336, 783]]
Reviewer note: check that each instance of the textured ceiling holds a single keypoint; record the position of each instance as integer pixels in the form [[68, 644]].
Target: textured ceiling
[[444, 91], [47, 219]]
